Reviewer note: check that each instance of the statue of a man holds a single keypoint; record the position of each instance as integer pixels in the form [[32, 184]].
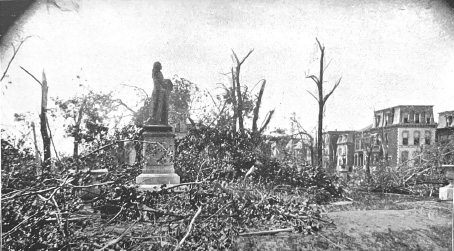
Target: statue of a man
[[160, 97]]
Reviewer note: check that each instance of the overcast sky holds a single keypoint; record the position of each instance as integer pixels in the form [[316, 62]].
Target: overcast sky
[[387, 52]]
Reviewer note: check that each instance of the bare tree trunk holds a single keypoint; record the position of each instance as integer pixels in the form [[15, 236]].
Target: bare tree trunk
[[321, 101], [235, 112], [77, 128], [257, 107], [238, 89], [35, 142], [43, 124], [239, 99]]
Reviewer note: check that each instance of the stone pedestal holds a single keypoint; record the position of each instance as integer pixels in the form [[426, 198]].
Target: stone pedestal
[[158, 153], [445, 193]]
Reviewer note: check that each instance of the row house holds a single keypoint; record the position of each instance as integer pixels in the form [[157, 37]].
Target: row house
[[288, 147], [396, 135], [338, 150]]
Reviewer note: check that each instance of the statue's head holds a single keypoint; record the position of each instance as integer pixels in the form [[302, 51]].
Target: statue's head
[[157, 66]]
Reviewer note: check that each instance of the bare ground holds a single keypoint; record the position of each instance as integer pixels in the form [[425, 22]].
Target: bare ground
[[407, 225]]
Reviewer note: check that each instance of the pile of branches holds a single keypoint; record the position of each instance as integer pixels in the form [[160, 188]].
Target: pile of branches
[[222, 154], [47, 213], [422, 175], [223, 198]]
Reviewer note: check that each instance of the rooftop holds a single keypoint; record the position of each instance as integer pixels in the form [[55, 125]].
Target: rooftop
[[442, 113], [403, 106]]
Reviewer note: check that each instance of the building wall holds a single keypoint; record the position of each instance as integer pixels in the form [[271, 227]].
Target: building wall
[[411, 147]]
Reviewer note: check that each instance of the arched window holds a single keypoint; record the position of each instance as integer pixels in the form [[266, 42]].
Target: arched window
[[405, 138]]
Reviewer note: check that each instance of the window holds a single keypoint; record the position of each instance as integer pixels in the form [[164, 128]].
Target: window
[[416, 137], [427, 137], [378, 120], [404, 156], [405, 138], [386, 138], [449, 121], [405, 117], [428, 120], [416, 117]]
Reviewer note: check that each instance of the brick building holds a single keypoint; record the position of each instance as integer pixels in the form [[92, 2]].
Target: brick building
[[397, 135], [445, 128]]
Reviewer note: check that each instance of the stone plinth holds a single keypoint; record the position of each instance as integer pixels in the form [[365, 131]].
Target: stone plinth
[[158, 153], [446, 193]]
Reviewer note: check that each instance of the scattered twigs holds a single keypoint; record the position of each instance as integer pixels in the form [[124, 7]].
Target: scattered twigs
[[20, 224], [30, 193], [114, 241], [219, 211], [275, 231], [93, 185], [334, 244], [199, 210], [58, 216], [182, 184], [119, 212]]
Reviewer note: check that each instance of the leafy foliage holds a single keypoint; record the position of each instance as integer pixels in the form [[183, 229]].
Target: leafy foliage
[[86, 116]]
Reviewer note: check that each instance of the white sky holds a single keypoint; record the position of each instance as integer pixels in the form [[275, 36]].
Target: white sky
[[387, 52]]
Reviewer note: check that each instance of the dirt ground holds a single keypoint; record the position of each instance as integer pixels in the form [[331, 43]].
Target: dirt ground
[[415, 225]]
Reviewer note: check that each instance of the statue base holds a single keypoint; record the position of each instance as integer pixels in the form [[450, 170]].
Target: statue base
[[158, 153], [153, 182], [445, 193]]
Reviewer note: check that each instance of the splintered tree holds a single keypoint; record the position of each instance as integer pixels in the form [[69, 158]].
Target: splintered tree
[[241, 101], [321, 99], [43, 120]]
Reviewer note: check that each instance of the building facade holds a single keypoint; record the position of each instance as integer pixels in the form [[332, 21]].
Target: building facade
[[397, 136], [337, 147], [445, 128]]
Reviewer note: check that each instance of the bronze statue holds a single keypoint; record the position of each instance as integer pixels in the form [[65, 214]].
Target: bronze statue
[[160, 97]]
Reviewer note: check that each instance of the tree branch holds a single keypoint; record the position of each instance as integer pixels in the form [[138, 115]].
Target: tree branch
[[15, 51], [135, 87], [39, 82], [189, 228], [112, 242], [313, 95], [314, 78], [124, 105], [331, 92], [267, 121]]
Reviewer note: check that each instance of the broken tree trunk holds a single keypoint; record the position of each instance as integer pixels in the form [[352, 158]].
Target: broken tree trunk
[[43, 124], [257, 107], [35, 142]]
